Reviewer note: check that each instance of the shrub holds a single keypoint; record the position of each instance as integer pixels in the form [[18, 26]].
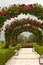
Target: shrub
[[5, 54], [12, 47], [15, 47], [2, 59], [0, 47], [39, 49]]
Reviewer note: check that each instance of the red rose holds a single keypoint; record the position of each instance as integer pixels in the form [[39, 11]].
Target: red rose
[[1, 11], [11, 24], [22, 30], [5, 33], [22, 5], [5, 30], [4, 13], [36, 23], [30, 7], [19, 11], [14, 5], [11, 16]]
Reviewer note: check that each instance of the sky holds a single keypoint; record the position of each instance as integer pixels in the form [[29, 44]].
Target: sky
[[6, 3], [9, 2]]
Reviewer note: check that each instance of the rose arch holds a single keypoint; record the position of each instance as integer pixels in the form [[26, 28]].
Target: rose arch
[[15, 10], [16, 27]]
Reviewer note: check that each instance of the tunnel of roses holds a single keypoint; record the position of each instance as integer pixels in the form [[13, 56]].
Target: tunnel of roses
[[16, 27]]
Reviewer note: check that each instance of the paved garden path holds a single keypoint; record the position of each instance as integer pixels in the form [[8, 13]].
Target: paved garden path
[[25, 57]]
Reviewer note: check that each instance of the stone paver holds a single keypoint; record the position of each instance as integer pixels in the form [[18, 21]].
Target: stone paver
[[25, 57]]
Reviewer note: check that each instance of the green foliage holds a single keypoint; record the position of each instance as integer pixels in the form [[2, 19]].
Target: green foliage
[[15, 47], [5, 54], [32, 38], [0, 46], [13, 11], [18, 26], [14, 29], [39, 49], [5, 45], [2, 59], [21, 38]]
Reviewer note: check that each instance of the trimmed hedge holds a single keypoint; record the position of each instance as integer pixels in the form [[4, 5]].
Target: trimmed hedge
[[5, 54], [39, 49], [0, 47], [15, 47]]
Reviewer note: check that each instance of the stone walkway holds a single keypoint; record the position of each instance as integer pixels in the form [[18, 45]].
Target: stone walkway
[[25, 57]]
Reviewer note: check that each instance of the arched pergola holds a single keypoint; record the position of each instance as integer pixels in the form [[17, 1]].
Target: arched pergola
[[18, 26], [15, 10]]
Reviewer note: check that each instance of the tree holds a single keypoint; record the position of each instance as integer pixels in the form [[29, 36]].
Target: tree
[[32, 38], [22, 38]]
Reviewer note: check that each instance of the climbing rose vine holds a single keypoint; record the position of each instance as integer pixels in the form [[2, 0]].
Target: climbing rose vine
[[14, 10], [14, 26]]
